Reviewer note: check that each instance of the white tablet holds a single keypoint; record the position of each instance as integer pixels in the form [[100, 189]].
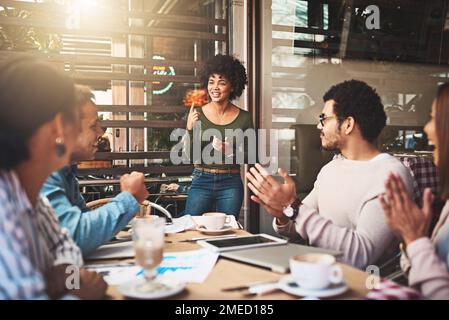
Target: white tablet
[[238, 243]]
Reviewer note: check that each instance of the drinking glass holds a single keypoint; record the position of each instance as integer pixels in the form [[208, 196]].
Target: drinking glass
[[148, 236]]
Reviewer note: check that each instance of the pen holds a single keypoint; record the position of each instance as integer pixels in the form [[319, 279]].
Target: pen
[[212, 237]]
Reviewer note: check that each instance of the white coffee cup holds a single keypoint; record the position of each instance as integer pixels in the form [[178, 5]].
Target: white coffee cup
[[214, 220], [315, 271]]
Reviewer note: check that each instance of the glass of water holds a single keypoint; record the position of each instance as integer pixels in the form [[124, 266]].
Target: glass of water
[[148, 236]]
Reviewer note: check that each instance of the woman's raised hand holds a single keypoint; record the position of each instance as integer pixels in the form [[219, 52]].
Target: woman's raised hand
[[403, 216], [193, 117]]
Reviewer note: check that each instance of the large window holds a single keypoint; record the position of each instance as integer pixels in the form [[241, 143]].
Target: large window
[[401, 49], [139, 56]]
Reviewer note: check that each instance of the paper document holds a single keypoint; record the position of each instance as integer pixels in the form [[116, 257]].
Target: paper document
[[188, 266], [181, 224]]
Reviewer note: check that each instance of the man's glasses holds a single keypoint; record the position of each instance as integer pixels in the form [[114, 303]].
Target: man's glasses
[[323, 118]]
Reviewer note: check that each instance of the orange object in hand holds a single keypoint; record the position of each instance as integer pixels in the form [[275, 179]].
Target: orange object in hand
[[197, 98]]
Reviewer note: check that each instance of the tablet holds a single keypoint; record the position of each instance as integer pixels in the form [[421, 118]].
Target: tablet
[[239, 243]]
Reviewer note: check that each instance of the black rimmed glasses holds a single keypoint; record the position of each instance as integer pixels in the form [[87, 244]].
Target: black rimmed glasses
[[323, 118]]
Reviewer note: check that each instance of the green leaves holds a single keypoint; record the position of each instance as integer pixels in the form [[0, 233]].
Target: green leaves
[[19, 38]]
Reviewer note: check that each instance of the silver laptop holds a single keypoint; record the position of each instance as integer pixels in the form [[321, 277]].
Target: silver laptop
[[275, 258]]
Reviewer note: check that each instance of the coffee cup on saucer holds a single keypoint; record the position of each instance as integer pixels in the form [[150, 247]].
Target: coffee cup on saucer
[[214, 220], [315, 271]]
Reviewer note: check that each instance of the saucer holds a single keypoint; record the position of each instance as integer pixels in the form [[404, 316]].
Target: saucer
[[162, 290], [288, 285], [225, 229]]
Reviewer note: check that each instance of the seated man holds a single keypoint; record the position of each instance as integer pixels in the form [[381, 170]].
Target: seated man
[[91, 228], [342, 211]]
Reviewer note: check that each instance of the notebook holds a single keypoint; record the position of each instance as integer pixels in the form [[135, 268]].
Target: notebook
[[274, 258]]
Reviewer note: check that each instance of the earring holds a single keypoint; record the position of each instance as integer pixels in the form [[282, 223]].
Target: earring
[[60, 147]]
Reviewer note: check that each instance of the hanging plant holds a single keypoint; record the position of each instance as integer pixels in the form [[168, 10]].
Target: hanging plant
[[18, 38]]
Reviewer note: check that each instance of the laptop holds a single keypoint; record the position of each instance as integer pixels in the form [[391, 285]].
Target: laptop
[[275, 258]]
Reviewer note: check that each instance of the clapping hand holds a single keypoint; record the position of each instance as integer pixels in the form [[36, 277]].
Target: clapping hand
[[273, 195], [403, 216]]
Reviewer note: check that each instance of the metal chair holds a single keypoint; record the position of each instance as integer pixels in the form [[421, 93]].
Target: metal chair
[[144, 207]]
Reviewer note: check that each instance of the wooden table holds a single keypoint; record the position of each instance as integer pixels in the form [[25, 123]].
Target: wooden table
[[228, 273]]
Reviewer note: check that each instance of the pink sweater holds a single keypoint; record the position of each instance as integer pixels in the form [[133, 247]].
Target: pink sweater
[[343, 211], [429, 258]]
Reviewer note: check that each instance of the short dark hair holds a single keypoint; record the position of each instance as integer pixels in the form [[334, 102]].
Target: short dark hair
[[356, 99], [32, 93], [228, 66], [442, 132]]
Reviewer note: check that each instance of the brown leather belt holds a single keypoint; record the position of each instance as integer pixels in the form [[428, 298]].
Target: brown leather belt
[[218, 170]]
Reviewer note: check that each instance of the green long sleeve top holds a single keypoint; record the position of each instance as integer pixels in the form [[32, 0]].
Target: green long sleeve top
[[244, 148]]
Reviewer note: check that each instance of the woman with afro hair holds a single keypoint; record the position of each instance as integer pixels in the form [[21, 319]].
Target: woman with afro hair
[[216, 184]]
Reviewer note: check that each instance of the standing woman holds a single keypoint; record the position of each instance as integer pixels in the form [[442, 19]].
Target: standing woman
[[38, 129], [218, 186], [425, 259]]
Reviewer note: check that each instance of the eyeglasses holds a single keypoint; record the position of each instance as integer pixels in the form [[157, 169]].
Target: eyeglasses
[[323, 117]]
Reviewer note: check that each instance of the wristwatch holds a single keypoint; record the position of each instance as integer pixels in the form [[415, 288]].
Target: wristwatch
[[292, 210]]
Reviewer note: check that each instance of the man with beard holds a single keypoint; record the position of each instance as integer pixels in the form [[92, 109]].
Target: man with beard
[[342, 211]]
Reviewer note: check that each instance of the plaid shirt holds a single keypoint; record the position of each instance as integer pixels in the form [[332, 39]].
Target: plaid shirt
[[31, 241], [389, 290], [424, 174]]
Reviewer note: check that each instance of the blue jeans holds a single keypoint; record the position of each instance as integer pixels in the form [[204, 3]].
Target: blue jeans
[[221, 192]]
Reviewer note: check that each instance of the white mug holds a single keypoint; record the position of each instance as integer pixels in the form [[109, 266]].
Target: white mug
[[315, 271], [214, 220]]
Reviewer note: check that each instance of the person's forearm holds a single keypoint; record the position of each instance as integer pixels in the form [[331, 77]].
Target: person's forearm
[[55, 280], [287, 229], [98, 226], [428, 273], [356, 250]]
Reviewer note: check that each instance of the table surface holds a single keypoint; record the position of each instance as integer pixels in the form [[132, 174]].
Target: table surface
[[228, 273]]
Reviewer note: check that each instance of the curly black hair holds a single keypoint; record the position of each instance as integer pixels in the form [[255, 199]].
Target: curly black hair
[[32, 92], [228, 66], [354, 98]]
